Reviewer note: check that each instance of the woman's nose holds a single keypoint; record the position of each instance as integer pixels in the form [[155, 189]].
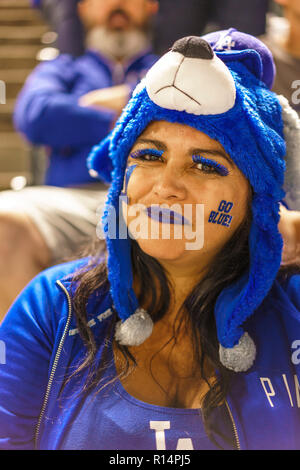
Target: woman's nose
[[169, 184]]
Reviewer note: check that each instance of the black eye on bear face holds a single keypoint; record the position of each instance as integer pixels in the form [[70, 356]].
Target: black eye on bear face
[[194, 48]]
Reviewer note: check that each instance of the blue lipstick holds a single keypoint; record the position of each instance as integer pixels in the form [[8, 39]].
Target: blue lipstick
[[166, 216]]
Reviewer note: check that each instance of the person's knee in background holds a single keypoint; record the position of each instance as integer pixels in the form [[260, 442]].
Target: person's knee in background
[[23, 254]]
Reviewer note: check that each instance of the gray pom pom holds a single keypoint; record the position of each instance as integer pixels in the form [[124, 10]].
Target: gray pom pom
[[135, 330], [241, 357]]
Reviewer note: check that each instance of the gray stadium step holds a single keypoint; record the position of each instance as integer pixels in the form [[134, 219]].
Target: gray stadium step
[[19, 17], [12, 57], [11, 140], [18, 35], [15, 158], [9, 162], [14, 81], [22, 32], [15, 4]]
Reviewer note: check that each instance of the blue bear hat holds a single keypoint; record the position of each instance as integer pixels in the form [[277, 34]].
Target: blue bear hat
[[219, 84]]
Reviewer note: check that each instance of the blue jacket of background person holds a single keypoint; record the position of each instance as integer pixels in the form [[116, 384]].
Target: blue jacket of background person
[[47, 112], [42, 347]]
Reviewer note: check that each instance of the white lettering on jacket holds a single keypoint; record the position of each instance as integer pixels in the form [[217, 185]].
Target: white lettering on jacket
[[291, 388], [159, 427]]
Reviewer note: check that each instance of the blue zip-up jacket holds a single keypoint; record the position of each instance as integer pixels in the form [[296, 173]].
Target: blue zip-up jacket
[[47, 110], [39, 346]]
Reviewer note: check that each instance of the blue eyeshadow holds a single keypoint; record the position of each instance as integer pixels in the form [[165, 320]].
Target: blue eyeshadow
[[206, 161], [141, 152]]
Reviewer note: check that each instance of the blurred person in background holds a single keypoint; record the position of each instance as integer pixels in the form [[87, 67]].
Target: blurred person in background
[[283, 39], [175, 19], [284, 42], [68, 105]]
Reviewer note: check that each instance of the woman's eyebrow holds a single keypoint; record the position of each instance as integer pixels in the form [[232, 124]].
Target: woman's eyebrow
[[213, 152], [158, 144]]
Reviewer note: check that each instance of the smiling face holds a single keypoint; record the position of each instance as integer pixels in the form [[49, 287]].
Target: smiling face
[[174, 165]]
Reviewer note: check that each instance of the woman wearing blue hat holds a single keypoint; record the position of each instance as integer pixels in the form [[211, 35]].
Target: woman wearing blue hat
[[183, 333]]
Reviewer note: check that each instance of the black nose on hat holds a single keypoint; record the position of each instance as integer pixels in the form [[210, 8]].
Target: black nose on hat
[[193, 47]]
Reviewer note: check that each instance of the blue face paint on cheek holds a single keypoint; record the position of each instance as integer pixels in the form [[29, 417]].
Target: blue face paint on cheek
[[225, 206], [222, 217], [128, 174]]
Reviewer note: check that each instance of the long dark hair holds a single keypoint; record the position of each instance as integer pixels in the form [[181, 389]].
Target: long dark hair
[[198, 308]]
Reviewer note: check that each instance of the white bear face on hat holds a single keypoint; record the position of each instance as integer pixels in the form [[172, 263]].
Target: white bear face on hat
[[191, 78]]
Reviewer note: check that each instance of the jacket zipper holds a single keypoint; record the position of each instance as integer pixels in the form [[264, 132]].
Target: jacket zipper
[[55, 362], [238, 445]]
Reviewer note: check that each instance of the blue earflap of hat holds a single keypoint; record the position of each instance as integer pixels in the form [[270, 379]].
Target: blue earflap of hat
[[104, 162], [99, 164], [242, 102]]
